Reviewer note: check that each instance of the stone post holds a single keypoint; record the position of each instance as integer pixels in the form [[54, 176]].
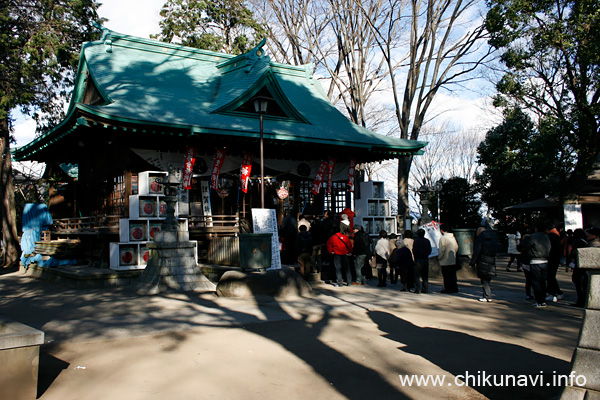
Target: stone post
[[586, 358], [20, 358], [426, 196]]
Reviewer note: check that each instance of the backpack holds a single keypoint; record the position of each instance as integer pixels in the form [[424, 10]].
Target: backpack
[[305, 244]]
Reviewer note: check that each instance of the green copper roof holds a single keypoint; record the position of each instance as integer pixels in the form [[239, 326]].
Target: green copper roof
[[147, 82]]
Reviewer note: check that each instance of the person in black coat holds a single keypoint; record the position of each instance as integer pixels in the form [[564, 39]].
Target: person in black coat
[[421, 251], [304, 248], [361, 250], [484, 259], [289, 231], [405, 262]]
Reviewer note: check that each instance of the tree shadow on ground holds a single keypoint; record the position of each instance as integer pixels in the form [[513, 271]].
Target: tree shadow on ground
[[101, 313], [8, 270], [349, 378], [480, 358]]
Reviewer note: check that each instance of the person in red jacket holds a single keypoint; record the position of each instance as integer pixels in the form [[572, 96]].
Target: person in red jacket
[[340, 246]]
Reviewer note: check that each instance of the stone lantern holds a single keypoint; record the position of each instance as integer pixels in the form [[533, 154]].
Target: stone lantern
[[426, 194], [171, 186], [172, 265]]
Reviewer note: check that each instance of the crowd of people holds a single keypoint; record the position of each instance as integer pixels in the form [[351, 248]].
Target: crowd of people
[[539, 255], [353, 256]]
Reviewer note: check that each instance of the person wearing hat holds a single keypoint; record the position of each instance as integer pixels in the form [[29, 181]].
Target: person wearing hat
[[593, 236], [361, 250], [344, 224]]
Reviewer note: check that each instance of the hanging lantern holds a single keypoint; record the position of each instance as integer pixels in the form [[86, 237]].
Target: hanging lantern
[[282, 193]]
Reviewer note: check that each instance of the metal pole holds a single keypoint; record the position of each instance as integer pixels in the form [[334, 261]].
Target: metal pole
[[262, 171]]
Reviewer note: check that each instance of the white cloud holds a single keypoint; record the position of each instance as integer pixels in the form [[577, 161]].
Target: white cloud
[[465, 113], [132, 17], [24, 131]]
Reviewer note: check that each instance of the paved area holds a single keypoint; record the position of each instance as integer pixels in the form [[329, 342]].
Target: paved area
[[353, 342]]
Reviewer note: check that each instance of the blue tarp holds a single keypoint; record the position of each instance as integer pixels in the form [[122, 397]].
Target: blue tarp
[[36, 218]]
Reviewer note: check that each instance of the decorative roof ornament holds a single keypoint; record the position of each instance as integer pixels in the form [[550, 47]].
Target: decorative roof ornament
[[247, 60], [108, 44]]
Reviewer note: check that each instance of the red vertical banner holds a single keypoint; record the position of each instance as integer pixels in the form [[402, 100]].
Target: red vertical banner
[[245, 171], [316, 187], [188, 166], [216, 169], [351, 172], [331, 166]]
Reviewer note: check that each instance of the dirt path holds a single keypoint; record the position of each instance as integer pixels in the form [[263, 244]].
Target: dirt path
[[351, 343]]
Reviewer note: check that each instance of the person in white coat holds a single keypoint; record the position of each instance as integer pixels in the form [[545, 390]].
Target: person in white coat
[[382, 253], [447, 252], [513, 243]]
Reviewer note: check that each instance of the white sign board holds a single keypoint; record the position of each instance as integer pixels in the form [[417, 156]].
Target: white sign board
[[206, 211], [573, 216], [433, 234], [264, 220]]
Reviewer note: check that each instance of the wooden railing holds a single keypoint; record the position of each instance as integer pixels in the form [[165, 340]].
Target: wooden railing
[[109, 223], [225, 224], [214, 224]]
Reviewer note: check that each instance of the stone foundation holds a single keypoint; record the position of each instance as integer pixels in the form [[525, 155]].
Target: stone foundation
[[172, 266], [586, 359]]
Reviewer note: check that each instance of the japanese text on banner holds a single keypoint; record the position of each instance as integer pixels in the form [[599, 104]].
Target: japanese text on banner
[[246, 169], [316, 187], [216, 169], [188, 166], [351, 171], [331, 166]]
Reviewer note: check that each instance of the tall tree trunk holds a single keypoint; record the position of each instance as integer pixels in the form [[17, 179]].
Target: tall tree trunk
[[8, 212], [404, 164]]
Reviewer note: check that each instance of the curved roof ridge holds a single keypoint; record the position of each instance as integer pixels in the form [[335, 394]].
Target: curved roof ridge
[[128, 41]]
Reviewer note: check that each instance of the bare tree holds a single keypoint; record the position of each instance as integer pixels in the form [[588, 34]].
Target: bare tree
[[412, 48], [444, 48], [449, 154], [335, 35], [436, 161], [464, 153]]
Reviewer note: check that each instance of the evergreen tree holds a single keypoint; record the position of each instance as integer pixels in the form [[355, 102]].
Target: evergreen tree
[[552, 52], [521, 162], [39, 52], [217, 25], [459, 203]]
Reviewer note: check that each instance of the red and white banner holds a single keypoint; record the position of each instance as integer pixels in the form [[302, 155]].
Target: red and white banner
[[245, 171], [351, 171], [188, 166], [316, 187], [331, 166], [216, 169]]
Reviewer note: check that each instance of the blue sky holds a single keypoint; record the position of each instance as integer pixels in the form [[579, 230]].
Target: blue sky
[[132, 17], [468, 110]]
